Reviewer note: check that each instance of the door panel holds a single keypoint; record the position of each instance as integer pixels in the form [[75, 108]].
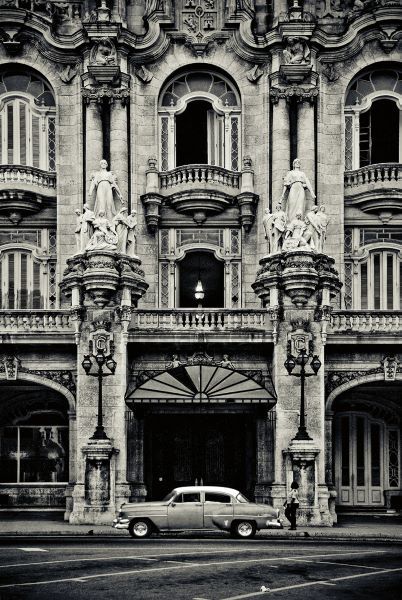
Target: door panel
[[358, 460], [186, 512]]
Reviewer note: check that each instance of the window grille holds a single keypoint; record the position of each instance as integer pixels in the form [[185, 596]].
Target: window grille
[[348, 285], [234, 130], [165, 143], [164, 284], [235, 285], [348, 143], [348, 241]]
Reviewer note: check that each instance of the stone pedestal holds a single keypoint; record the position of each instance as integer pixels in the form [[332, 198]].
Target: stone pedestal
[[301, 465], [94, 499]]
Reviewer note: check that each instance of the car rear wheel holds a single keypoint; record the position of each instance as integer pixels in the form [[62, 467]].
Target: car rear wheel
[[244, 529], [140, 528]]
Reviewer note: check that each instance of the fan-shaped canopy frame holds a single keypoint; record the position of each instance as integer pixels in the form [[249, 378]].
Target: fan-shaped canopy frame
[[201, 384]]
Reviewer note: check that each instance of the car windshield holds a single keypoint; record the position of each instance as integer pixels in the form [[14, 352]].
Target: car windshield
[[169, 496], [241, 498]]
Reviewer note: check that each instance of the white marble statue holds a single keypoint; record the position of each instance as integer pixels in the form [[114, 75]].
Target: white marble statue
[[120, 224], [312, 235], [296, 51], [84, 227], [274, 225], [294, 237], [295, 184], [323, 221], [104, 184], [105, 236], [132, 233]]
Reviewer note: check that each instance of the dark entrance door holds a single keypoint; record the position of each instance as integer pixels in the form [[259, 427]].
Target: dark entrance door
[[208, 449]]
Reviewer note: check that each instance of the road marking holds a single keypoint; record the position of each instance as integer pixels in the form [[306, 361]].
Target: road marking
[[187, 566], [160, 556], [327, 562], [309, 584], [33, 549]]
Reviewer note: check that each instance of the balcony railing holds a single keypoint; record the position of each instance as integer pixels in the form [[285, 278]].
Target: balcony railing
[[209, 319], [366, 321], [15, 175], [35, 321], [199, 175], [372, 174]]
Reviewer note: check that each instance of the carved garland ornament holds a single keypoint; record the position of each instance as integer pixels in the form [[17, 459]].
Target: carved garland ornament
[[337, 378]]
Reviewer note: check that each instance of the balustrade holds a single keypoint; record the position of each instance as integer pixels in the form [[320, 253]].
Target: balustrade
[[200, 319], [44, 321], [364, 321], [382, 172], [199, 174], [10, 174]]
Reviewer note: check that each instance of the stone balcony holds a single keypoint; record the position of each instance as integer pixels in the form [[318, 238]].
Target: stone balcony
[[375, 188], [349, 326], [23, 189], [32, 325], [200, 191], [221, 323]]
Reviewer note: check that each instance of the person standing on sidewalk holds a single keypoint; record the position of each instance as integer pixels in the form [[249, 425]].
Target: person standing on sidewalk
[[292, 504]]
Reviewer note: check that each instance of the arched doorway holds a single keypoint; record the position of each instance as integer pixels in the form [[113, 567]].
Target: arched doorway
[[201, 266], [367, 446], [199, 423], [34, 445]]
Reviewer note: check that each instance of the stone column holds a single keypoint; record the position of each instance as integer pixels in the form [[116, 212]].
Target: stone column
[[306, 142], [135, 457], [264, 459], [280, 159], [119, 144], [72, 477], [94, 143]]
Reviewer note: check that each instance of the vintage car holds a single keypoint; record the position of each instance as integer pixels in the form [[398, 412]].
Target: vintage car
[[198, 508]]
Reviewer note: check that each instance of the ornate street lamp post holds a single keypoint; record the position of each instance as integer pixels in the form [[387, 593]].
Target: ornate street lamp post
[[111, 364], [301, 360]]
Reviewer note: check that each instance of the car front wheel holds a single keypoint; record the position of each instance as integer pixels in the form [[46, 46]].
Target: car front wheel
[[140, 528], [244, 529]]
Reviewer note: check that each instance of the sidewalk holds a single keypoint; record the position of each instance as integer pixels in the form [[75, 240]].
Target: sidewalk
[[350, 527]]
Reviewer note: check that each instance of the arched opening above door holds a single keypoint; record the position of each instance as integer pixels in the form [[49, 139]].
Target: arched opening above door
[[201, 266]]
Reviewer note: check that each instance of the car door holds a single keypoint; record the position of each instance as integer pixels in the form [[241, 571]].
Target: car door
[[186, 511], [216, 504]]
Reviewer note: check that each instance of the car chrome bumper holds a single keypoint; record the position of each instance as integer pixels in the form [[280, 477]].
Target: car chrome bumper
[[120, 523]]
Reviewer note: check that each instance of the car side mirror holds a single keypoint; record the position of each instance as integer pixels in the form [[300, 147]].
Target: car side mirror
[[173, 504]]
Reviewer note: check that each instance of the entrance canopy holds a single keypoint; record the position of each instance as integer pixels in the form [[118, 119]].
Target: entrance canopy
[[201, 384]]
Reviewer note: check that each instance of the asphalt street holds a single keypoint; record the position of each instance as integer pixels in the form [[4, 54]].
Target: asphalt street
[[187, 569]]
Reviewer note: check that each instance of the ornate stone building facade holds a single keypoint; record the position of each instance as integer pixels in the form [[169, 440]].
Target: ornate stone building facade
[[158, 232]]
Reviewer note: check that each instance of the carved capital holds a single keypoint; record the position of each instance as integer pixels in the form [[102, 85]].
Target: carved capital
[[301, 94], [96, 96]]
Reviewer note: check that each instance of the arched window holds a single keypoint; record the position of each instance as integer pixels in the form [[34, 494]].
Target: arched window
[[27, 121], [373, 119], [199, 123]]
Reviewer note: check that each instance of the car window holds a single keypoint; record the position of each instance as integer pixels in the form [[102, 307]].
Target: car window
[[222, 498], [241, 498], [193, 497]]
